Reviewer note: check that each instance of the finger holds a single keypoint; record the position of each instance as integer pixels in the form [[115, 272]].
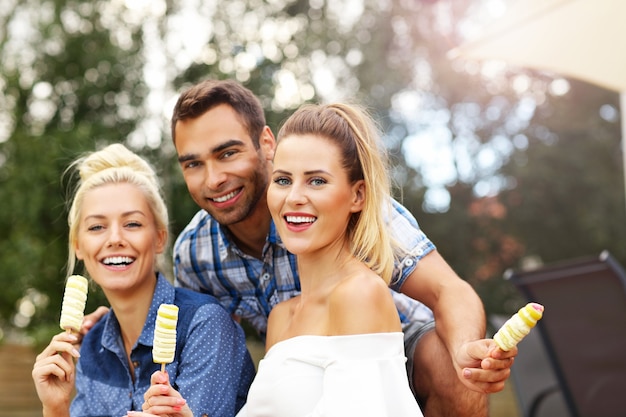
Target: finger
[[174, 405], [92, 318], [157, 390], [474, 352], [52, 367], [496, 364], [497, 353], [59, 343], [60, 354], [64, 359], [477, 375], [163, 404], [138, 414], [159, 377], [491, 387]]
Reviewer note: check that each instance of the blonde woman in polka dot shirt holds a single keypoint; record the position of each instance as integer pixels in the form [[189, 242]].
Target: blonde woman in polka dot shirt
[[118, 229]]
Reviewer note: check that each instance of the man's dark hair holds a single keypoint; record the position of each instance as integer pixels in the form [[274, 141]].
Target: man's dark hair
[[208, 94]]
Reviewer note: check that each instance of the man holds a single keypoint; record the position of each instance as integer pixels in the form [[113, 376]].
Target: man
[[231, 250]]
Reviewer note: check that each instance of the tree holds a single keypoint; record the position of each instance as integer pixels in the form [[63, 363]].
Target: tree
[[72, 81], [79, 74], [567, 190]]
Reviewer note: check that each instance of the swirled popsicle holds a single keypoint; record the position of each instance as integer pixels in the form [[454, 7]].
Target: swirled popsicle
[[74, 299], [518, 326], [164, 343]]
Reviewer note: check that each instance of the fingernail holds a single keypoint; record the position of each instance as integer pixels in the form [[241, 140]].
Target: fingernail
[[75, 353], [467, 373]]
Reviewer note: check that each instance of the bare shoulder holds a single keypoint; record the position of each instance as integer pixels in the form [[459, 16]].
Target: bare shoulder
[[362, 303], [277, 321]]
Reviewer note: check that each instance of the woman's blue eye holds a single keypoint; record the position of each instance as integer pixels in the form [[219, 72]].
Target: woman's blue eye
[[281, 181]]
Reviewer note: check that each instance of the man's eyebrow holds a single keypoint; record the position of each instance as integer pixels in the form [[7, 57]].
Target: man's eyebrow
[[187, 157], [228, 144], [219, 148]]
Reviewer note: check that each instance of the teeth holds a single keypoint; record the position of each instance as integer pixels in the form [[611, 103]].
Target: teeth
[[225, 197], [117, 260], [300, 219]]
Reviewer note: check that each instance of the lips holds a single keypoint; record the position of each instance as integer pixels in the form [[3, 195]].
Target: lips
[[118, 260], [225, 197], [298, 220]]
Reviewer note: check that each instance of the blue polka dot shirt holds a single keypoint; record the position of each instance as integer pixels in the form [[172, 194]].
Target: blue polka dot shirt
[[212, 368]]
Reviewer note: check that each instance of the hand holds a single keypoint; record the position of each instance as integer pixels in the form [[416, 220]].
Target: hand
[[90, 320], [163, 400], [54, 373], [484, 367]]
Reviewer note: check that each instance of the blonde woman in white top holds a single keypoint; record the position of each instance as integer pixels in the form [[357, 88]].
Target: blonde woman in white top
[[337, 348]]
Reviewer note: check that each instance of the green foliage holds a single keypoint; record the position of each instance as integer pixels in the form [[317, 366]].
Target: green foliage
[[73, 80], [81, 91], [568, 195]]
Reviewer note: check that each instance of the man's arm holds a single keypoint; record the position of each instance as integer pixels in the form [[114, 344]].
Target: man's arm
[[458, 310], [460, 323]]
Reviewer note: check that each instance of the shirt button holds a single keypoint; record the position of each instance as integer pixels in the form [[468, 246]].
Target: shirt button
[[265, 276], [408, 262], [420, 252], [136, 364]]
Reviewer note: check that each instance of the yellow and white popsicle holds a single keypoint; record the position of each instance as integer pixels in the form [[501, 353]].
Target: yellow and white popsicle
[[74, 299], [164, 342], [518, 326]]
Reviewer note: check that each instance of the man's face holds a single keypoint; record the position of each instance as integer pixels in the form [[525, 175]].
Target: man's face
[[225, 174]]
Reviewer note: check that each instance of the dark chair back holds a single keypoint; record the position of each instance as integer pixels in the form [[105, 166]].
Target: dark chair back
[[583, 329]]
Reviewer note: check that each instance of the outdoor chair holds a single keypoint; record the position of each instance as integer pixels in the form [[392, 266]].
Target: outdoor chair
[[583, 331]]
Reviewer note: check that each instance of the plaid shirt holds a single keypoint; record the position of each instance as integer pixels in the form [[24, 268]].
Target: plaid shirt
[[206, 260]]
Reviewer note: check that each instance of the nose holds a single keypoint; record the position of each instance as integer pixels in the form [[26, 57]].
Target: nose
[[214, 176], [116, 237], [296, 194]]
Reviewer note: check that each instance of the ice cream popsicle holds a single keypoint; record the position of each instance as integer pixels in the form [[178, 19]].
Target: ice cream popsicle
[[164, 343], [518, 326], [74, 299]]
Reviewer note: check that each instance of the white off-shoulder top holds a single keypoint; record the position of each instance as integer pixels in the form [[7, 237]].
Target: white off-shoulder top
[[333, 376]]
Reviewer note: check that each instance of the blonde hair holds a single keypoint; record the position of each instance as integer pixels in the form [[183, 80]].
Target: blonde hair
[[114, 164], [363, 157]]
